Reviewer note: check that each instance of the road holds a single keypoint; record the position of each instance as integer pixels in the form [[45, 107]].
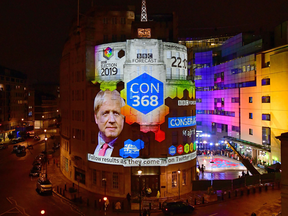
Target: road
[[18, 191]]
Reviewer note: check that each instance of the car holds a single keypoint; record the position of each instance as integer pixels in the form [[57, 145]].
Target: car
[[176, 207], [20, 139], [41, 158], [44, 186], [37, 164], [3, 146], [20, 149], [35, 171], [36, 138], [15, 147], [14, 141]]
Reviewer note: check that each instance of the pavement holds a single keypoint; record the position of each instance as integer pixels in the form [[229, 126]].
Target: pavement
[[87, 203]]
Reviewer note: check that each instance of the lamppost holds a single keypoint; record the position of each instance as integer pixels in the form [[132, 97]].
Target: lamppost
[[139, 173], [46, 151], [179, 181]]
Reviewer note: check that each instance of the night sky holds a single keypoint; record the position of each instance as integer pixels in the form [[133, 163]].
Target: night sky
[[33, 32]]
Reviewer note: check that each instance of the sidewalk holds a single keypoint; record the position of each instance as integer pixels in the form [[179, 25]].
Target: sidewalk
[[89, 202]]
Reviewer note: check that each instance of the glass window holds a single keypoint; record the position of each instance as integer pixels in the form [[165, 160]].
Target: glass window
[[94, 177], [266, 81], [250, 99], [183, 177], [266, 117], [104, 180], [266, 99], [174, 179], [250, 131], [250, 115], [115, 180], [266, 135]]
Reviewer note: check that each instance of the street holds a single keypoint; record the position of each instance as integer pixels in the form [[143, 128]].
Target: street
[[18, 191]]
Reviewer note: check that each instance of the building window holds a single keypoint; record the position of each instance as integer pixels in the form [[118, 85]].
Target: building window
[[250, 115], [79, 175], [183, 177], [174, 179], [104, 180], [235, 100], [123, 20], [235, 128], [266, 135], [198, 100], [266, 99], [250, 99], [94, 177], [265, 81], [266, 117], [115, 180], [250, 131]]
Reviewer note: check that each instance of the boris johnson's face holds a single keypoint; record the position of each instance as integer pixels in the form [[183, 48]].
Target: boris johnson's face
[[109, 118]]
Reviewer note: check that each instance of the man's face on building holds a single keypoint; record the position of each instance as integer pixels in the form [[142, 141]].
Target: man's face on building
[[109, 118]]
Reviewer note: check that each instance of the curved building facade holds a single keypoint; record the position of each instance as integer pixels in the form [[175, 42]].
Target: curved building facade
[[126, 106]]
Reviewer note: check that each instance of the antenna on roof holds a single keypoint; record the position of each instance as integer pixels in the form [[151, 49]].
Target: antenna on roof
[[143, 11]]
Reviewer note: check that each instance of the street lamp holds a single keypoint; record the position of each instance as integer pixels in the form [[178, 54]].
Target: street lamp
[[179, 181], [139, 173], [46, 151]]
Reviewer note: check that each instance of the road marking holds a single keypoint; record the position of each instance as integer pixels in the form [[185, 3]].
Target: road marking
[[19, 208], [213, 214], [11, 211]]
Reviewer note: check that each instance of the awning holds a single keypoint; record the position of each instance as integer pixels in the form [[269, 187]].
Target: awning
[[247, 143]]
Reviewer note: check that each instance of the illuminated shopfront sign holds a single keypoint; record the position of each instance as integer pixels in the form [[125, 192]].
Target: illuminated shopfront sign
[[140, 84]]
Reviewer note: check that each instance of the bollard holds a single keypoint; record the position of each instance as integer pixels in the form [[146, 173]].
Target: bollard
[[203, 200], [235, 193], [87, 202], [266, 187], [195, 202], [229, 195], [150, 206], [159, 205]]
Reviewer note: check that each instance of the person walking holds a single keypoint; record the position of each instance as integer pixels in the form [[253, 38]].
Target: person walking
[[128, 197]]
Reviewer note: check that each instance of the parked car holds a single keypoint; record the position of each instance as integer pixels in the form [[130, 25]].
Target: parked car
[[37, 164], [20, 149], [14, 141], [41, 157], [20, 139], [15, 147], [3, 146], [35, 171], [171, 208], [36, 138], [44, 186]]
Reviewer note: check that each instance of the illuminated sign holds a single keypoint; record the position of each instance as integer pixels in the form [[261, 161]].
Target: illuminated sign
[[144, 33], [131, 148], [186, 102], [108, 53], [145, 93], [134, 162], [139, 84], [178, 122]]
